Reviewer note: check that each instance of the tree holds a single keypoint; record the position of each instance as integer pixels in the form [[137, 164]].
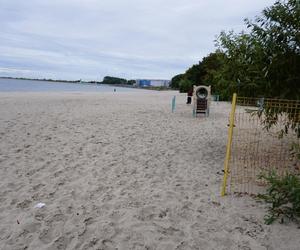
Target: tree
[[242, 68], [204, 73], [265, 61], [131, 82], [175, 81], [185, 85], [212, 64], [113, 80], [195, 74], [278, 30]]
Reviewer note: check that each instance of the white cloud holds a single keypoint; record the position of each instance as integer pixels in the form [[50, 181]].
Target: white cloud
[[135, 38]]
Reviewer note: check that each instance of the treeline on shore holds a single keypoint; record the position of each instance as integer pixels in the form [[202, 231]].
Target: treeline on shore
[[118, 81], [106, 80], [40, 79], [262, 61]]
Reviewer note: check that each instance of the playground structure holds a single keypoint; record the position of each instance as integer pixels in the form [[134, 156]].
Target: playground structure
[[201, 100], [261, 135]]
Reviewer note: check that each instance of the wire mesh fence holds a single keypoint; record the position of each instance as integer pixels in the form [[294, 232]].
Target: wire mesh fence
[[264, 133]]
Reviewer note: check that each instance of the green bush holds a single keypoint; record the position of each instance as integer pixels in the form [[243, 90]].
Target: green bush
[[175, 81], [283, 195], [185, 85]]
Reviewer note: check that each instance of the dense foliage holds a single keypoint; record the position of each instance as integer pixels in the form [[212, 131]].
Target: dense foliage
[[131, 82], [203, 73], [116, 80], [264, 61], [283, 195], [175, 81], [185, 85]]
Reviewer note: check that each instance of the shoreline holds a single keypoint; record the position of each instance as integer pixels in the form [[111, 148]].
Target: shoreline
[[92, 83]]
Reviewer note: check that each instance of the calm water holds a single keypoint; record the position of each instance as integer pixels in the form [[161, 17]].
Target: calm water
[[10, 85]]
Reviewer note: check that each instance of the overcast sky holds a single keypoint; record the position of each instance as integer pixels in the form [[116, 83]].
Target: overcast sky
[[88, 39]]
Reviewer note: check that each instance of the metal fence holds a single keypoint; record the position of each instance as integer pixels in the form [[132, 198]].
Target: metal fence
[[262, 133]]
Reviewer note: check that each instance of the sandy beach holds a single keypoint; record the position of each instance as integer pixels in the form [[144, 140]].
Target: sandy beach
[[120, 171]]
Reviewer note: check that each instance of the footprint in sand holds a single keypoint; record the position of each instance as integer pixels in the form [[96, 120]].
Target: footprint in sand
[[24, 204]]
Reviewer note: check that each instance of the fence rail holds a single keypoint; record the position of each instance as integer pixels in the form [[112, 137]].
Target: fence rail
[[263, 132]]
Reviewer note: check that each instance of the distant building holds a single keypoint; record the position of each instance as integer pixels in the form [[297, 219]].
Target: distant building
[[152, 83]]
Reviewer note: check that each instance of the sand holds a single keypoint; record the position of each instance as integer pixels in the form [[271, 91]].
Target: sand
[[120, 171]]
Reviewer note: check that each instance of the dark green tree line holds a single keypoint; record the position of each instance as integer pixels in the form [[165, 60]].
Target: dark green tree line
[[117, 80]]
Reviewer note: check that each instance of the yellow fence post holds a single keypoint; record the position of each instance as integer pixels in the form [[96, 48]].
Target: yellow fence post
[[229, 142]]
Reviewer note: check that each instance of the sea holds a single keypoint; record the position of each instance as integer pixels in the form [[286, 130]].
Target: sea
[[16, 85]]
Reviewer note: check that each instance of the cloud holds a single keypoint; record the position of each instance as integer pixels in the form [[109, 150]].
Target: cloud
[[134, 39]]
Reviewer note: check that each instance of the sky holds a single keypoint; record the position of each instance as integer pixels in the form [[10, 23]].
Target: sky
[[133, 39]]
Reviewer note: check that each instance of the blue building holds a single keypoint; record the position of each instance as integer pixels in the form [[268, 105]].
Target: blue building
[[152, 83]]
